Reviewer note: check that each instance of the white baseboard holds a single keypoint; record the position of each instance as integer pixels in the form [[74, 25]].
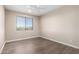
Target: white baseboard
[[42, 37], [60, 42], [15, 40], [2, 47], [22, 39]]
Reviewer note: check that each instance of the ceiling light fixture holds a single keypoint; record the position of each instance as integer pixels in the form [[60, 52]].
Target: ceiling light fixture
[[30, 11], [38, 6], [28, 6]]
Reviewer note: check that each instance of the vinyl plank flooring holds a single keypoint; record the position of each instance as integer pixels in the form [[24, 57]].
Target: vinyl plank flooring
[[37, 46]]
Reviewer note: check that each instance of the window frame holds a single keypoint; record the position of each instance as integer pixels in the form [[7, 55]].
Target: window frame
[[25, 23]]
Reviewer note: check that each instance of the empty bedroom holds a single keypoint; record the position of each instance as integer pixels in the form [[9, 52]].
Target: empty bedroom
[[39, 29]]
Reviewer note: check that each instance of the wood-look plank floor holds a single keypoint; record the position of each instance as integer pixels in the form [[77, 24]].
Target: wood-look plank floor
[[38, 46]]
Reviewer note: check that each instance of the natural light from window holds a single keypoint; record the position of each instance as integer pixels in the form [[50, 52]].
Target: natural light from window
[[24, 23]]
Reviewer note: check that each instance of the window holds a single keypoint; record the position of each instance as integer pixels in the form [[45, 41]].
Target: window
[[28, 23], [24, 23], [20, 23]]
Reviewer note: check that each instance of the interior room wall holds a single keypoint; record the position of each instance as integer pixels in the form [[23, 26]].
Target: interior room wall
[[2, 27], [62, 25], [12, 34]]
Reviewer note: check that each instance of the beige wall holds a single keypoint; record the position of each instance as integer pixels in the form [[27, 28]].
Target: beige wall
[[62, 25], [2, 27], [11, 32]]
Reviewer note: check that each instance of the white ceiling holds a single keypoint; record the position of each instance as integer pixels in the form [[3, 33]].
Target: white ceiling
[[36, 10]]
